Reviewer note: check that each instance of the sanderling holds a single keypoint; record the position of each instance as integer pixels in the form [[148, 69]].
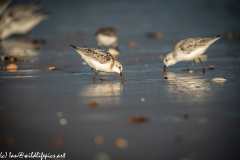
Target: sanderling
[[20, 19], [100, 61], [22, 25], [188, 49], [18, 11], [107, 37]]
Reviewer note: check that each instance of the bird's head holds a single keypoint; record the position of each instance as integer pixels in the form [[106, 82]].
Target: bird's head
[[117, 67], [169, 60]]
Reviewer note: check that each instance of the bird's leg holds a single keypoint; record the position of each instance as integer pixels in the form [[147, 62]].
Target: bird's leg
[[203, 69], [193, 61], [99, 76], [123, 79], [93, 75]]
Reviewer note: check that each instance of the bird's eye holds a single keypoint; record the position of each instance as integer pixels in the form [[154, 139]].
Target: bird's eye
[[119, 67], [166, 60]]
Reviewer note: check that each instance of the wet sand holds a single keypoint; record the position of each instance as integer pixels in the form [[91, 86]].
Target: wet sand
[[189, 117]]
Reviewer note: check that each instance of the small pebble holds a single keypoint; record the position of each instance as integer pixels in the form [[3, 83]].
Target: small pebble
[[11, 66], [102, 156], [84, 63], [121, 143], [58, 142], [63, 121], [137, 119], [93, 104], [72, 34], [132, 44], [190, 71], [99, 140], [142, 99], [157, 35], [230, 35], [51, 68], [211, 67]]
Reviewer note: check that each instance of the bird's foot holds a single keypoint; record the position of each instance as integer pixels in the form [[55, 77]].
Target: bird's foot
[[164, 68]]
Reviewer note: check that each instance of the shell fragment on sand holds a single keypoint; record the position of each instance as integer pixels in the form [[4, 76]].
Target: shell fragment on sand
[[51, 68], [219, 80]]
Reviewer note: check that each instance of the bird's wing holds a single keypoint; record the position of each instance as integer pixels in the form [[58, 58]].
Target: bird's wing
[[191, 44], [21, 10], [97, 54]]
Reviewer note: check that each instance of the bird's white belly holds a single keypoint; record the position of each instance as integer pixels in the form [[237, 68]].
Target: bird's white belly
[[96, 65], [106, 40], [193, 55]]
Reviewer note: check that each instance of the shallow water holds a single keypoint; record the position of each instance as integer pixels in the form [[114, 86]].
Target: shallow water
[[189, 116]]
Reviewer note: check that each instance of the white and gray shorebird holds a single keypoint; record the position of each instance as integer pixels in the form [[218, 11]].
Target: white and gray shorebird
[[107, 37], [20, 19], [22, 25], [100, 61], [188, 49], [18, 11]]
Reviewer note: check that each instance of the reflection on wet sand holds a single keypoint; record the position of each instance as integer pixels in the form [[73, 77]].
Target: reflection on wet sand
[[106, 92], [20, 48], [188, 83]]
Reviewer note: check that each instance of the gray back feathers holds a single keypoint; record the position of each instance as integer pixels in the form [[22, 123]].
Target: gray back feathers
[[98, 55], [191, 44]]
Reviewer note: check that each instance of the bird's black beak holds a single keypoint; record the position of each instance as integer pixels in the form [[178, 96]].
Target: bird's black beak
[[122, 76], [73, 46], [164, 68]]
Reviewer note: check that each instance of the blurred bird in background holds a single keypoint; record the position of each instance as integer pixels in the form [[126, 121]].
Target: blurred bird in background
[[107, 37], [19, 19]]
